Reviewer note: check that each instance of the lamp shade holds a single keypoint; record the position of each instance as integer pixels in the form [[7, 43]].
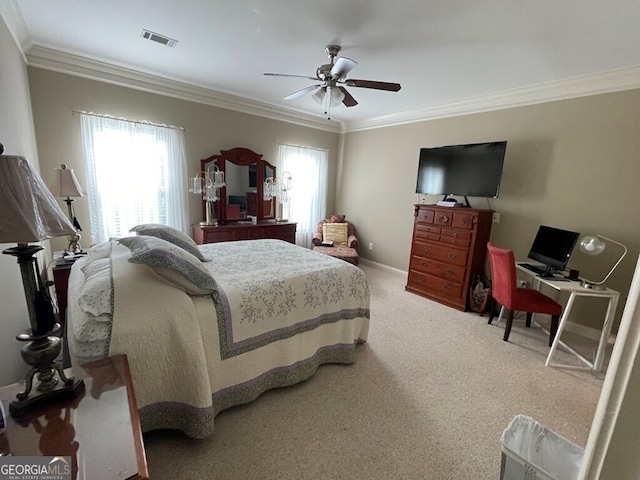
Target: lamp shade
[[319, 95], [592, 245], [29, 212], [66, 184]]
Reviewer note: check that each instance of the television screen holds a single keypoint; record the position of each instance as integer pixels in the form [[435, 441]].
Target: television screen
[[553, 246], [472, 170]]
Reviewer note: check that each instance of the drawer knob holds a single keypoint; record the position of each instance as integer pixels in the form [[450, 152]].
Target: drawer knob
[[421, 279], [448, 286], [424, 264], [463, 222], [455, 234], [449, 272], [452, 256], [425, 249]]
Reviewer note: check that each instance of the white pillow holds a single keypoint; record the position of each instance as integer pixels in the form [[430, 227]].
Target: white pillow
[[95, 295]]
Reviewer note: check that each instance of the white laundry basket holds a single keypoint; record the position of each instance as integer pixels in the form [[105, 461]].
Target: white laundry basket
[[532, 452]]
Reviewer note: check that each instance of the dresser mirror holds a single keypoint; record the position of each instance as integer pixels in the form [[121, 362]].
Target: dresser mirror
[[242, 197]]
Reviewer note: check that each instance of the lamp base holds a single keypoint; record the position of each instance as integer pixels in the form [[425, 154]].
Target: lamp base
[[592, 286], [40, 352], [210, 223], [74, 244], [61, 392]]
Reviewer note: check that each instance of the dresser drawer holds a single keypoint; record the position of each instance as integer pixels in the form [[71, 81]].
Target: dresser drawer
[[427, 232], [434, 286], [454, 219], [215, 236], [458, 237], [442, 270], [443, 253], [425, 216]]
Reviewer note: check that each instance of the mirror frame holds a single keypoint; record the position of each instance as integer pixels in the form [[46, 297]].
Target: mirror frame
[[243, 157]]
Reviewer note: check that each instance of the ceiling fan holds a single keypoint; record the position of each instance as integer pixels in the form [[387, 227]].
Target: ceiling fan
[[331, 77]]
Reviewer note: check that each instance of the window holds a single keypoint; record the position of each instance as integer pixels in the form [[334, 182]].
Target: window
[[136, 173], [308, 169]]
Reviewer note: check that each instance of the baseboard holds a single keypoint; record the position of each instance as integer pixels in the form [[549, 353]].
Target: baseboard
[[383, 267]]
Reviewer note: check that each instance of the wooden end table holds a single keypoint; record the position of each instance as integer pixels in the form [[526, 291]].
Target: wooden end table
[[100, 429]]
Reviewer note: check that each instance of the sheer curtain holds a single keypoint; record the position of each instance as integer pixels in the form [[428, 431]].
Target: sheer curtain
[[136, 173], [308, 169]]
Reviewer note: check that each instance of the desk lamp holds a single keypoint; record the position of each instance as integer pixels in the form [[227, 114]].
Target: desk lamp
[[31, 214], [595, 245], [66, 185]]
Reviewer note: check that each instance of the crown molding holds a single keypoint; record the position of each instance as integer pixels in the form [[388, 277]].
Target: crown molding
[[582, 86], [93, 69], [12, 16]]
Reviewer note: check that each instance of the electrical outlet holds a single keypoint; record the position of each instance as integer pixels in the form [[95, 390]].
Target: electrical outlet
[[370, 246], [496, 217]]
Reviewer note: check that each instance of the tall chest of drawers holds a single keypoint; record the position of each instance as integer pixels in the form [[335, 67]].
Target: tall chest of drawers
[[448, 250]]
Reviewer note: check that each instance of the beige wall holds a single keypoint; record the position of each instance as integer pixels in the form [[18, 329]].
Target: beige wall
[[572, 164], [17, 135], [207, 129]]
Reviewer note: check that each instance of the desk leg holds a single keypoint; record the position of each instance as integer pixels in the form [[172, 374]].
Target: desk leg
[[563, 322], [606, 330]]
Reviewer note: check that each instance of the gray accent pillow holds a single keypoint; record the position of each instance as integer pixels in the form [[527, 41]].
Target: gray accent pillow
[[160, 254], [172, 235]]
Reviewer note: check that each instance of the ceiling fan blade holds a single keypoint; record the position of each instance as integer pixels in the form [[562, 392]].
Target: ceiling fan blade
[[299, 93], [289, 75], [342, 67], [348, 100], [391, 87]]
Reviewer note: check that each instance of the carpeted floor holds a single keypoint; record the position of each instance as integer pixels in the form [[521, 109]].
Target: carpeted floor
[[428, 398]]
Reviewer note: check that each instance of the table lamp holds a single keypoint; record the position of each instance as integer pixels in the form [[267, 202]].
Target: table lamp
[[595, 245], [67, 186], [31, 214]]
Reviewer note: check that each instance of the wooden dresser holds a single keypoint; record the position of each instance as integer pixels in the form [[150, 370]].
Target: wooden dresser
[[448, 250], [244, 231]]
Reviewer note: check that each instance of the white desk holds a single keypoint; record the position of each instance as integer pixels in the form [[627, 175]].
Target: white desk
[[575, 290]]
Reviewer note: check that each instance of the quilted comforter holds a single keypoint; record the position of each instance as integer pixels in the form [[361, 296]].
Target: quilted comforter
[[279, 313]]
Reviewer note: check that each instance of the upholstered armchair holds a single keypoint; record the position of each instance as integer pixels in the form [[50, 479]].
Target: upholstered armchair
[[341, 234]]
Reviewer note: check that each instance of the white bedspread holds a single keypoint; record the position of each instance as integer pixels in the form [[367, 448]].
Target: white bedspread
[[282, 311]]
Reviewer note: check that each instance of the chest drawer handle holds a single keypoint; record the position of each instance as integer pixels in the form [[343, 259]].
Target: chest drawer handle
[[444, 218], [421, 279], [455, 234], [425, 250], [448, 286], [452, 256], [424, 264], [463, 222], [449, 272]]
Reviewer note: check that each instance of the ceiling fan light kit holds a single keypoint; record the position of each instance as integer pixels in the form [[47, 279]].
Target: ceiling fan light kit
[[333, 76]]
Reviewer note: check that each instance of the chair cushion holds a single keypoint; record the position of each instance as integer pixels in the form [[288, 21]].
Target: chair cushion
[[340, 251]]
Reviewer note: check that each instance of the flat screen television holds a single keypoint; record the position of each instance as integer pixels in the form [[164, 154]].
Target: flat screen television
[[553, 247], [471, 170]]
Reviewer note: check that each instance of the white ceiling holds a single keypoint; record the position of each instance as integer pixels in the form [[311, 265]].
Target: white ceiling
[[441, 52]]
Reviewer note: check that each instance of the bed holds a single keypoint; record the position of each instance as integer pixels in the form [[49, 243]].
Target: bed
[[278, 311]]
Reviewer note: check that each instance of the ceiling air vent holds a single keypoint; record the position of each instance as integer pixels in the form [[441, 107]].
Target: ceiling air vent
[[161, 39]]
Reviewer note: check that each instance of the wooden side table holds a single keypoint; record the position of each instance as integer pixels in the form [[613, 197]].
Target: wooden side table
[[100, 429], [61, 281]]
